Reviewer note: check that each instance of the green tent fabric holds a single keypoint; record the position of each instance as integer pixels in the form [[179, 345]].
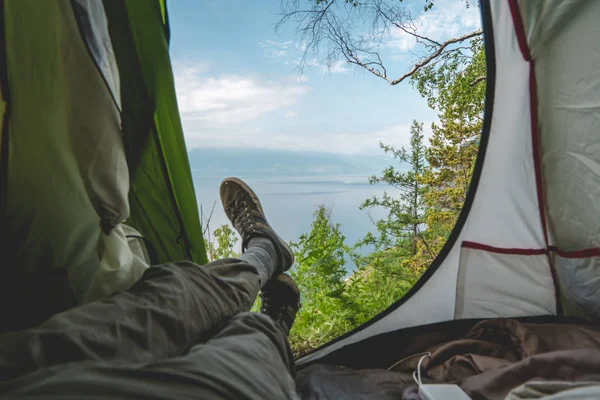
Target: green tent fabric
[[92, 139], [155, 147]]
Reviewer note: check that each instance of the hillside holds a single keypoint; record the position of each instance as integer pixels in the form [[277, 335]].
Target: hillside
[[283, 163]]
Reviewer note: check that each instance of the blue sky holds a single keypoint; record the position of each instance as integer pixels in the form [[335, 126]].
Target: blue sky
[[237, 85]]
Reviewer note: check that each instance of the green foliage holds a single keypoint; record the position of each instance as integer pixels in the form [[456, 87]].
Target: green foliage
[[223, 244], [388, 271], [332, 304], [319, 272], [456, 90]]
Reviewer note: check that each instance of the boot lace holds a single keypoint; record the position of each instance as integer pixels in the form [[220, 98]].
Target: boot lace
[[272, 308], [242, 220]]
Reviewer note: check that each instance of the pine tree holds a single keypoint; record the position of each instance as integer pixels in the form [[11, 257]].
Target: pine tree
[[405, 208], [454, 89]]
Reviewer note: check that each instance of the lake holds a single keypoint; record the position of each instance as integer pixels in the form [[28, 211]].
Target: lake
[[290, 201], [292, 185]]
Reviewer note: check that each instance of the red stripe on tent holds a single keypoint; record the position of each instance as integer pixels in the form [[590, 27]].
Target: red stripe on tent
[[522, 39], [503, 250], [519, 30], [585, 253]]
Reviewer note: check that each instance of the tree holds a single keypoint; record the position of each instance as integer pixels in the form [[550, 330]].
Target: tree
[[405, 211], [387, 272], [353, 31], [455, 140]]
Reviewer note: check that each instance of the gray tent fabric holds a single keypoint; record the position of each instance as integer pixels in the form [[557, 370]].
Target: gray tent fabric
[[562, 40]]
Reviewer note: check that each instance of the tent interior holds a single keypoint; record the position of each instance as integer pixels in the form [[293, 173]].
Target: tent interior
[[96, 187]]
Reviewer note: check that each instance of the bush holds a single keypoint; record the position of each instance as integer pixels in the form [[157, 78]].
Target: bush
[[331, 303]]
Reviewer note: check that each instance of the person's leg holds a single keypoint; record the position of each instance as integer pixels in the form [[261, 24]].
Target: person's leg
[[249, 358], [171, 308]]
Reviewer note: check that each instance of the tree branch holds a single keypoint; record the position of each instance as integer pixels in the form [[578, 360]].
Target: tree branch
[[202, 216], [431, 253], [434, 55], [322, 23]]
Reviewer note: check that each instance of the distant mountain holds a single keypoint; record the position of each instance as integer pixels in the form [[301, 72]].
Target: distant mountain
[[284, 163]]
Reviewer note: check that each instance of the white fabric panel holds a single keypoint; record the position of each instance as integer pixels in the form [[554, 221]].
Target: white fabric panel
[[565, 43], [566, 47], [504, 212], [580, 285], [137, 244], [120, 267], [494, 285]]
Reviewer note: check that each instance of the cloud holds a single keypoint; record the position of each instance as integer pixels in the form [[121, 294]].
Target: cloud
[[274, 49], [223, 111], [397, 135], [230, 99], [357, 142], [450, 19], [289, 53], [327, 67]]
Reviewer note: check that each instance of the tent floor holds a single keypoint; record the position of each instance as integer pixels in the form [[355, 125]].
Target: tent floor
[[487, 358]]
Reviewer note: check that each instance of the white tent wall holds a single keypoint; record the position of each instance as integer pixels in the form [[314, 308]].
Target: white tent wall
[[499, 260], [564, 42]]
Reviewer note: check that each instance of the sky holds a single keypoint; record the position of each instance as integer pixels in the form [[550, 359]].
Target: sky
[[238, 86]]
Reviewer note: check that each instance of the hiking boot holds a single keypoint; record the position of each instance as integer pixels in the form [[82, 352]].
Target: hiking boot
[[280, 300], [243, 209]]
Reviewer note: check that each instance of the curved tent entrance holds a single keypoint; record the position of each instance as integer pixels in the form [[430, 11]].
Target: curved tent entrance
[[527, 240]]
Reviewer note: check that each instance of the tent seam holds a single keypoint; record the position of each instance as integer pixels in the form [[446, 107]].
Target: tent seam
[[582, 253], [524, 47]]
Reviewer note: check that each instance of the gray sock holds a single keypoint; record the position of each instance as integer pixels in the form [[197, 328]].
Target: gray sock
[[262, 255]]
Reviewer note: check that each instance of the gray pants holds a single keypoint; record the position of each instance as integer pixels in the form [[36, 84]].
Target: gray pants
[[181, 332]]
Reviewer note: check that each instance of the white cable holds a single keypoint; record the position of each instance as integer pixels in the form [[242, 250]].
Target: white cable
[[417, 373], [406, 358], [437, 391]]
